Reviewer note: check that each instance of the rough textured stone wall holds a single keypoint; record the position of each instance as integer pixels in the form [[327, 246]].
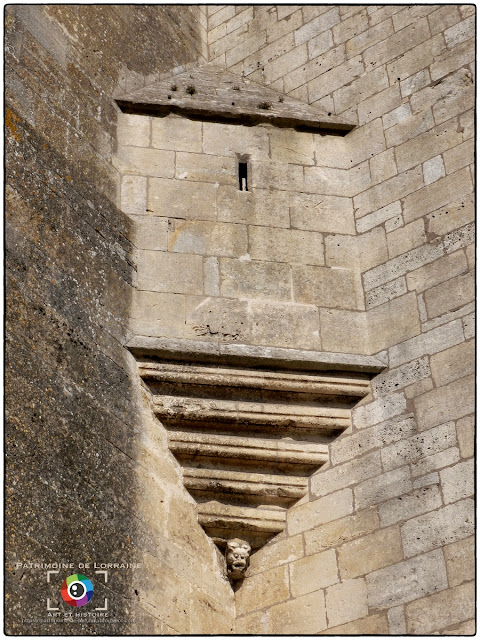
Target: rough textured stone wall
[[221, 265], [88, 478], [384, 543]]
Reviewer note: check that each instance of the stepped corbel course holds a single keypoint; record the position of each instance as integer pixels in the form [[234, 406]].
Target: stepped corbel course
[[248, 437]]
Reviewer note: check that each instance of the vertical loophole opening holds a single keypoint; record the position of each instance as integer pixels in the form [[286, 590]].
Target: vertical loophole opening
[[243, 176]]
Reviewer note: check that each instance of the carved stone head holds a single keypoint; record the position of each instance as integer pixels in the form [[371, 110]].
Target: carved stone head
[[237, 555]]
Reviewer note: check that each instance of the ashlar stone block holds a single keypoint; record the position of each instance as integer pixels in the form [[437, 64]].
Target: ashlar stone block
[[382, 488], [263, 590], [207, 238], [408, 506], [450, 295], [364, 555], [133, 194], [288, 145], [450, 402], [466, 436], [232, 140], [286, 245], [326, 287], [313, 573], [200, 167], [182, 199], [325, 482], [177, 134], [346, 601], [319, 511], [260, 207], [453, 363], [284, 325], [406, 238], [419, 446], [437, 272], [145, 162], [168, 272], [441, 610], [133, 130], [254, 279], [438, 528], [460, 560], [304, 614], [342, 530], [407, 580], [216, 318], [327, 214], [458, 481], [150, 232], [393, 322], [344, 331]]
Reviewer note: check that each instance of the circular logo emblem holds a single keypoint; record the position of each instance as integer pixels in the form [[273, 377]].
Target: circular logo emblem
[[77, 590]]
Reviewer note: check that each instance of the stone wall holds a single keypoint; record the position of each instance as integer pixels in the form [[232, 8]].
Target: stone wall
[[383, 541], [221, 265], [88, 478], [383, 544]]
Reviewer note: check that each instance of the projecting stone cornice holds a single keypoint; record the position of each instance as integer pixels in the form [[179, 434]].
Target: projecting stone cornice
[[212, 93], [249, 427], [249, 355]]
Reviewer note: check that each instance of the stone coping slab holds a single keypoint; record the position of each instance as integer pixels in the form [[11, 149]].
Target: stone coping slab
[[213, 93], [211, 352]]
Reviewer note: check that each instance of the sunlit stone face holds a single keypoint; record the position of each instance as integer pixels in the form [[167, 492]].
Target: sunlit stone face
[[237, 555]]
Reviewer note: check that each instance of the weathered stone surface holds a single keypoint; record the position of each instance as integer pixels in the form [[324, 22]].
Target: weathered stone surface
[[466, 436], [319, 511], [427, 343], [286, 245], [346, 601], [263, 590], [177, 134], [434, 273], [422, 500], [396, 621], [182, 199], [441, 609], [305, 614], [419, 446], [407, 580], [457, 481], [276, 553], [453, 363], [335, 287], [381, 488], [313, 573], [255, 279], [449, 296], [170, 272], [207, 238], [133, 192], [325, 482], [405, 74], [371, 552], [450, 402], [375, 624], [328, 214], [342, 530], [438, 528], [344, 330], [459, 560]]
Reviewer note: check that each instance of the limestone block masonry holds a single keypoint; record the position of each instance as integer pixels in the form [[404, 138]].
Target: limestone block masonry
[[158, 236], [248, 438]]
